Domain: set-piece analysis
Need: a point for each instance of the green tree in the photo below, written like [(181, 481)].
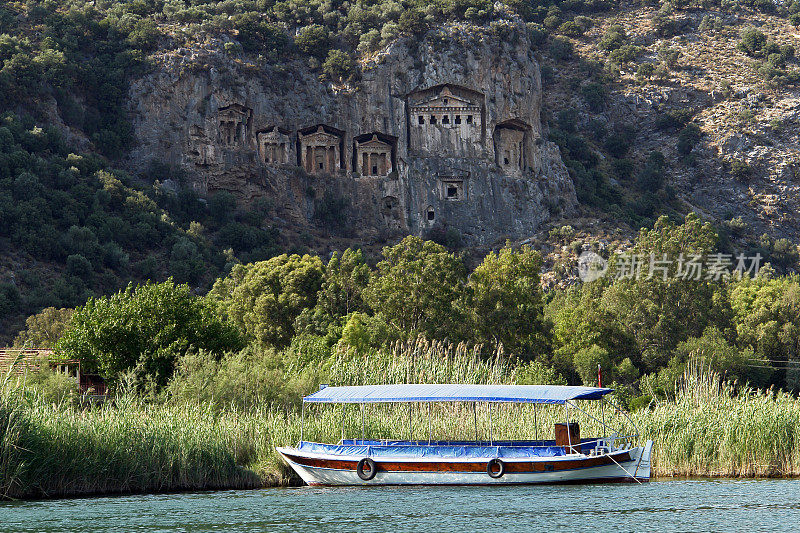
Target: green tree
[(580, 322), (712, 351), (766, 315), (659, 313), (346, 278), (43, 329), (264, 299), (313, 40), (419, 287), (339, 66), (587, 360), (144, 329), (506, 301)]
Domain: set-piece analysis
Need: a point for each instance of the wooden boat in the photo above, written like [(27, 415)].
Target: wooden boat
[(565, 459)]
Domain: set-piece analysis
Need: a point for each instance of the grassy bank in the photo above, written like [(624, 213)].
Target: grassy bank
[(49, 450)]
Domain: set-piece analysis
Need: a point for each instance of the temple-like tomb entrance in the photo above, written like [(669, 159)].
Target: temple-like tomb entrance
[(321, 149), (274, 145), (446, 119), (374, 154), (510, 138), (234, 124)]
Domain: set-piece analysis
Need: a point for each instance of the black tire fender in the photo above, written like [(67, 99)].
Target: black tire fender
[(368, 474), (490, 466)]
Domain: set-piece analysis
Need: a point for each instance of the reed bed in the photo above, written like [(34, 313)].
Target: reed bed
[(130, 445), (714, 428)]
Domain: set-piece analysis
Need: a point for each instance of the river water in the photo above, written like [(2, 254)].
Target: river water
[(663, 506)]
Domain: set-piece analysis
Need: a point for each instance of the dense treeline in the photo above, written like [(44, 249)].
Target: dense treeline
[(298, 317)]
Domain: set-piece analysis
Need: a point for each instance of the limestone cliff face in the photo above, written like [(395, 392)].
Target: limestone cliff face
[(439, 134)]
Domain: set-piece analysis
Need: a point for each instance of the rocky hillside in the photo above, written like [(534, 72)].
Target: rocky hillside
[(681, 82)]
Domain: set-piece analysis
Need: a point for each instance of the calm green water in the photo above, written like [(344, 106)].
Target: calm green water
[(769, 505)]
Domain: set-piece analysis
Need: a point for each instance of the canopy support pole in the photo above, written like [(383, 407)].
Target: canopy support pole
[(363, 424), (302, 420), (535, 424), (475, 415), (491, 437), (343, 423), (410, 427), (430, 424)]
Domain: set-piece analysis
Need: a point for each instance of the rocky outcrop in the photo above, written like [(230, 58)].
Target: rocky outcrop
[(443, 133)]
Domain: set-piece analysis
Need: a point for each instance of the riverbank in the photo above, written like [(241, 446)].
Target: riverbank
[(132, 446)]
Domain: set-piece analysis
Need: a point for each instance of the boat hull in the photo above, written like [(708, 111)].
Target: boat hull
[(326, 469)]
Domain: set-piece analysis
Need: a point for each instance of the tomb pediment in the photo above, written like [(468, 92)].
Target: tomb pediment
[(447, 102), (321, 138), (235, 110), (375, 143)]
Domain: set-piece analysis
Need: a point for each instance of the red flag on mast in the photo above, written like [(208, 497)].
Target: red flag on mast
[(599, 376)]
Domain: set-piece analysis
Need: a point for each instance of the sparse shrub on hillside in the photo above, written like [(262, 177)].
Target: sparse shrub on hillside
[(740, 170), (9, 299), (561, 49), (619, 142), (595, 95), (339, 66), (625, 54), (613, 38), (688, 139), (666, 27), (674, 118), (79, 266), (185, 262), (571, 29), (332, 211), (568, 120), (552, 23), (584, 22), (222, 206), (313, 40), (537, 34), (412, 22), (669, 56), (651, 177), (645, 71), (752, 41)]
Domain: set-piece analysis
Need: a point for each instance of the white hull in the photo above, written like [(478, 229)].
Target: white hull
[(322, 469)]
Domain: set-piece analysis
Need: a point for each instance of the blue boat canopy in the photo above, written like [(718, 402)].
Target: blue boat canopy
[(550, 394)]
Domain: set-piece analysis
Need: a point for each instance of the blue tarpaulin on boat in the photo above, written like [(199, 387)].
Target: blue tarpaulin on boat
[(421, 450), (550, 394)]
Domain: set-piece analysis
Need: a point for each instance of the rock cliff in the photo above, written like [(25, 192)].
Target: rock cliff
[(439, 134)]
